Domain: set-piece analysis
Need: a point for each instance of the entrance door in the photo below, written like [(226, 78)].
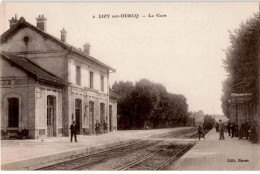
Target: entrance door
[(102, 113), (50, 115), (110, 118), (13, 112), (78, 111), (91, 116)]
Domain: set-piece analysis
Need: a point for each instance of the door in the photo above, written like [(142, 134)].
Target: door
[(102, 113), (91, 116), (50, 115), (13, 112), (110, 118), (78, 111)]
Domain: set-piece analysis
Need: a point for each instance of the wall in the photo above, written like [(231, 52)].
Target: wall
[(42, 91), (14, 83), (45, 51), (114, 114), (86, 66)]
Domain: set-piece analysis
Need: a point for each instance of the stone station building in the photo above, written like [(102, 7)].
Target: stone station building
[(47, 83)]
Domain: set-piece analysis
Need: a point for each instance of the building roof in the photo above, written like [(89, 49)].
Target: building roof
[(36, 71), (22, 24)]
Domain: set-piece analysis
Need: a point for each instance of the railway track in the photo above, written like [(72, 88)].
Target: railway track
[(157, 160), (180, 133), (85, 161)]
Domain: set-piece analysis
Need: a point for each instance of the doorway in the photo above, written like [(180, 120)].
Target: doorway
[(102, 113), (51, 110), (110, 118), (13, 112), (91, 116), (78, 112)]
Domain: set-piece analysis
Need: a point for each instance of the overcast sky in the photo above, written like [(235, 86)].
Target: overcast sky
[(183, 51)]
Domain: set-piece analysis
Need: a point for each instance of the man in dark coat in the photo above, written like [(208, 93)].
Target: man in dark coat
[(73, 131), (201, 132), (233, 130), (97, 127), (246, 129), (217, 127), (105, 127), (229, 128)]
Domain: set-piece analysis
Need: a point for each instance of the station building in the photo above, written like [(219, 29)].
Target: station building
[(47, 83)]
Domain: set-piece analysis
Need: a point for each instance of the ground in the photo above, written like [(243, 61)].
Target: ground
[(207, 154), (215, 154)]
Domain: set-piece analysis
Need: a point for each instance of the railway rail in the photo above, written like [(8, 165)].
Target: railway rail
[(159, 157), (156, 160), (87, 160), (178, 133)]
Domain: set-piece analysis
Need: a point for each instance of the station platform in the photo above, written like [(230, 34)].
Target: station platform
[(28, 154), (214, 154)]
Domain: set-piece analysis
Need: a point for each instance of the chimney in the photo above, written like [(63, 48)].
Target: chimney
[(13, 21), (41, 22), (86, 48), (63, 36)]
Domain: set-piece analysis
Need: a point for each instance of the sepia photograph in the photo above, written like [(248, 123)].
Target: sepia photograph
[(129, 86)]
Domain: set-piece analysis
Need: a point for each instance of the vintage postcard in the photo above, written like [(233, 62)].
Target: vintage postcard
[(119, 86)]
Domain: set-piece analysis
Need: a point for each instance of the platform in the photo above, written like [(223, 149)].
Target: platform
[(26, 154), (214, 154)]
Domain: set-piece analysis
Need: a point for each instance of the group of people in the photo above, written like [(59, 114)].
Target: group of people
[(98, 129), (220, 127), (247, 130), (99, 126)]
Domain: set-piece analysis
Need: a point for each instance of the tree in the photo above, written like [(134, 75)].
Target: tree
[(241, 61), (124, 90), (148, 103)]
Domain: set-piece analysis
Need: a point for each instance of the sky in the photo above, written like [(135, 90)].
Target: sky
[(184, 50)]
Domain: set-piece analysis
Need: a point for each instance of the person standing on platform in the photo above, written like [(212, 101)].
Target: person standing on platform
[(73, 131), (105, 127), (229, 128), (217, 127), (236, 130), (221, 130), (200, 132), (233, 130), (97, 127), (253, 134), (247, 128)]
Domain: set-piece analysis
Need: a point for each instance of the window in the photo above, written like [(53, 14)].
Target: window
[(102, 83), (91, 80), (78, 75)]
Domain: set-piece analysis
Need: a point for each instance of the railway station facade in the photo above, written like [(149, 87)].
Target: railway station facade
[(47, 83)]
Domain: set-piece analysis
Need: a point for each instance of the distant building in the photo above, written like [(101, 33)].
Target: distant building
[(47, 83)]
